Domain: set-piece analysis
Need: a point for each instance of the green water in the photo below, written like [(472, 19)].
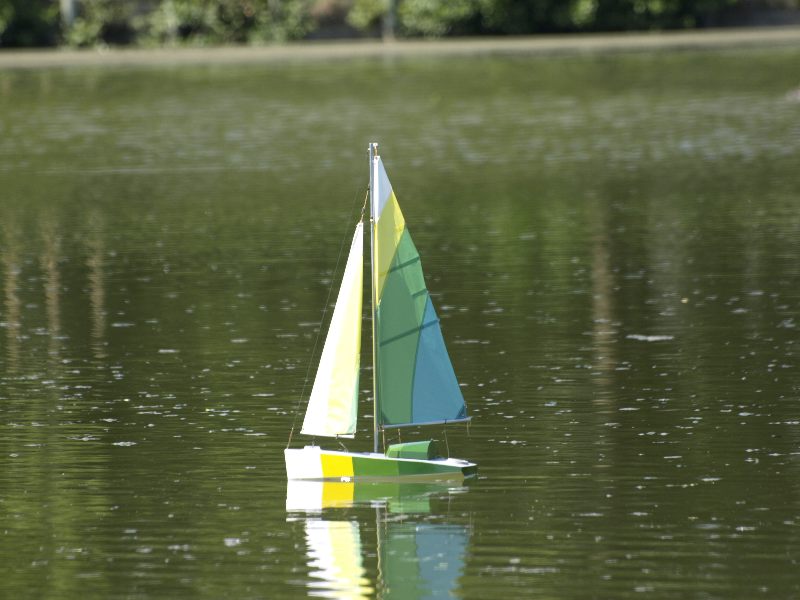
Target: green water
[(613, 246)]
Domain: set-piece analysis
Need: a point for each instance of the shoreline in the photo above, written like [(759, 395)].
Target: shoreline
[(346, 50)]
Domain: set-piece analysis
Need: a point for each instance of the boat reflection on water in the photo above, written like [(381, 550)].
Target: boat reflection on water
[(348, 525), (334, 556)]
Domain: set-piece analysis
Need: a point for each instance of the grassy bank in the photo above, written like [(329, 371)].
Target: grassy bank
[(719, 38)]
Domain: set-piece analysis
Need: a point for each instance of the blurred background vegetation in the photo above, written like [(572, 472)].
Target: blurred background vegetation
[(205, 22)]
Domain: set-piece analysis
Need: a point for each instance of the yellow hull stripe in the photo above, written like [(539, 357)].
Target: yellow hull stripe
[(336, 466)]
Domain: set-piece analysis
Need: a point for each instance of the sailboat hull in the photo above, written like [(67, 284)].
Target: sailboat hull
[(314, 463)]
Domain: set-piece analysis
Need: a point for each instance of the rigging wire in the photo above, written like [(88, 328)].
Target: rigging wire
[(324, 314)]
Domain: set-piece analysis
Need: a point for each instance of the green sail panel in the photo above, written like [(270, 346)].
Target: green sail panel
[(416, 382)]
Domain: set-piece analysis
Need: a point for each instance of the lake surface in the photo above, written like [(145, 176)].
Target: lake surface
[(613, 245)]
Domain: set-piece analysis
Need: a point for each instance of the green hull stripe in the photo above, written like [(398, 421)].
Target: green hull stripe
[(380, 468)]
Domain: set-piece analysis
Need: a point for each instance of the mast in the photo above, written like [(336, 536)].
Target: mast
[(373, 153)]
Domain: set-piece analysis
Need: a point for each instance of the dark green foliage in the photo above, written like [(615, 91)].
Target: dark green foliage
[(29, 23), (199, 22), (103, 21), (657, 14), (517, 17), (38, 22), (226, 21)]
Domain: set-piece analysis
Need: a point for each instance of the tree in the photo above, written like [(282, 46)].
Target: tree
[(29, 23)]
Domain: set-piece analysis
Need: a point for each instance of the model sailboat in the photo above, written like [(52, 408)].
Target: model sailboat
[(413, 378)]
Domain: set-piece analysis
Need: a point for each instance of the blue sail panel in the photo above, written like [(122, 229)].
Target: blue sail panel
[(436, 395)]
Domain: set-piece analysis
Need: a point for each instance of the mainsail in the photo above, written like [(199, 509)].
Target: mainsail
[(416, 382), (332, 407)]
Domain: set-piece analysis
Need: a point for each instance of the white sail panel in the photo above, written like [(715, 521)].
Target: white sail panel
[(332, 407), (383, 188)]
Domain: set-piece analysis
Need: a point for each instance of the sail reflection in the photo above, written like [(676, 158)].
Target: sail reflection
[(13, 305), (334, 555), (420, 560), (95, 262), (49, 260), (416, 557)]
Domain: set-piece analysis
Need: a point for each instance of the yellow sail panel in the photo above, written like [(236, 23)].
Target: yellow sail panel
[(388, 230), (332, 407), (389, 227)]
